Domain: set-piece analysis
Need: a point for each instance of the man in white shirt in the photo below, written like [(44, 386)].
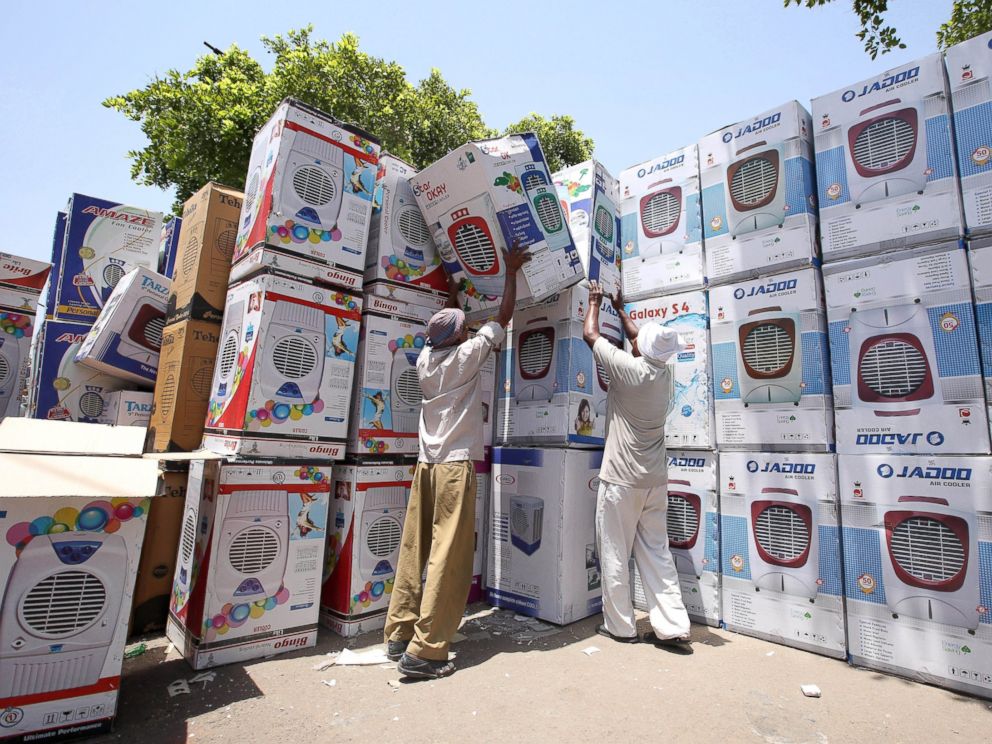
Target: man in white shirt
[(632, 503), (439, 531)]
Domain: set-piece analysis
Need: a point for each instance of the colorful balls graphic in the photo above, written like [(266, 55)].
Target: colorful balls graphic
[(307, 409), (112, 525), (318, 477), (300, 233), (318, 405), (270, 603), (92, 518), (240, 613), (314, 237), (208, 623), (282, 595), (256, 611), (222, 630), (266, 423), (352, 305), (391, 345), (325, 235), (66, 515), (377, 589), (19, 533), (59, 527), (335, 234), (418, 342), (281, 412), (41, 525), (296, 414), (363, 597), (124, 512)]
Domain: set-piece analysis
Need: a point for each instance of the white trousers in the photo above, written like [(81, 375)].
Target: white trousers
[(636, 518)]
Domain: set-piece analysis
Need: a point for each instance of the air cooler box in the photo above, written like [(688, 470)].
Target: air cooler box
[(980, 260), (16, 331), (906, 367), (759, 195), (885, 166), (780, 549)]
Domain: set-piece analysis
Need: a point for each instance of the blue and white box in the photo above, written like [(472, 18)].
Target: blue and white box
[(980, 259), (169, 246), (780, 549), (771, 366), (969, 69), (550, 390), (591, 200), (103, 241), (885, 162), (661, 225), (126, 339), (689, 423), (542, 559), (918, 567), (904, 350), (759, 195)]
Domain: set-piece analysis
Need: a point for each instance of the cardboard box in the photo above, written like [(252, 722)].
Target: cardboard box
[(169, 246), (690, 417), (204, 254), (16, 332), (969, 66), (103, 241), (397, 293), (907, 376), (661, 225), (63, 390), (771, 365), (541, 557), (980, 260), (693, 535), (477, 200), (282, 383), (401, 250), (916, 568), (483, 487), (591, 198), (23, 273), (74, 526), (759, 195), (49, 293), (182, 390), (126, 338), (153, 586), (780, 549), (385, 409), (247, 581), (130, 407), (551, 390), (309, 189), (885, 162), (368, 508)]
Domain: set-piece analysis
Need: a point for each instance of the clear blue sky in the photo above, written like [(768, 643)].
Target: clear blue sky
[(641, 78)]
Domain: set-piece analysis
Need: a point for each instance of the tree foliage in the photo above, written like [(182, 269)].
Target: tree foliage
[(968, 18), (200, 123), (562, 143)]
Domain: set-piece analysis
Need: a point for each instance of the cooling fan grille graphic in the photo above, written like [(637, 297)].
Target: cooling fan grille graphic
[(753, 182), (884, 145), (928, 550), (893, 368), (683, 519), (475, 247), (768, 348), (412, 226), (64, 603), (660, 212), (294, 357), (782, 533), (383, 536), (313, 186), (536, 350), (254, 549)]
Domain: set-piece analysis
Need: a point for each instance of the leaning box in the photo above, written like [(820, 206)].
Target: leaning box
[(885, 162), (247, 581), (73, 528), (771, 367), (780, 549), (980, 259), (759, 195), (479, 199), (282, 383), (906, 371), (17, 328), (364, 531), (918, 567), (309, 190)]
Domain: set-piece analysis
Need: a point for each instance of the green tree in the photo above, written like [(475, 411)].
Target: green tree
[(968, 18), (562, 143), (200, 123)]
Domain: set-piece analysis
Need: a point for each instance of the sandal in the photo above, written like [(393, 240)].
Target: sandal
[(601, 629), (396, 649), (414, 666), (680, 645)]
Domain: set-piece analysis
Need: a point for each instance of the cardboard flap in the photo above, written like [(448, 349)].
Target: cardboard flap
[(26, 475), (39, 436)]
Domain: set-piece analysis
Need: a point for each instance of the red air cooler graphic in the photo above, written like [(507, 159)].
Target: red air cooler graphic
[(887, 153), (685, 514), (783, 543), (535, 370), (477, 250), (757, 199), (660, 214)]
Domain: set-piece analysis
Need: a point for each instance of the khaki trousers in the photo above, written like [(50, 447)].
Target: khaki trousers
[(439, 533)]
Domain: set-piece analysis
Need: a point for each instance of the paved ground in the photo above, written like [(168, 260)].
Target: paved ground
[(525, 684)]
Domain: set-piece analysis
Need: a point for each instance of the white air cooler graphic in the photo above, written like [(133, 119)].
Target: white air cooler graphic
[(106, 272), (542, 196), (930, 566), (769, 362), (526, 521), (254, 545), (686, 529), (473, 231), (312, 187), (893, 360), (87, 401), (252, 200), (756, 188), (141, 337), (293, 363), (60, 612), (783, 544), (659, 223), (230, 347), (886, 152), (405, 393), (10, 365), (187, 551), (412, 241), (604, 228), (381, 532), (534, 372)]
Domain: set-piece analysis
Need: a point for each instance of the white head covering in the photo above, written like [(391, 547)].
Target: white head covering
[(657, 343)]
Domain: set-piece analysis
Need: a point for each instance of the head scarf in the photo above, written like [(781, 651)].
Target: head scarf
[(445, 327), (657, 343)]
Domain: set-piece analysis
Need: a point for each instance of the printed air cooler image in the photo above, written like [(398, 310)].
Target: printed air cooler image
[(312, 188), (474, 235), (769, 358), (893, 360), (293, 366), (64, 594), (886, 152), (526, 522), (141, 337), (10, 376), (230, 347), (604, 225), (686, 537), (783, 543), (542, 197), (534, 372), (405, 393), (412, 241), (755, 184), (221, 254), (659, 220), (381, 532), (254, 540)]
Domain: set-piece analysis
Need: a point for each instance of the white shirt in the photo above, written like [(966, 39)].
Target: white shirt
[(451, 413)]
